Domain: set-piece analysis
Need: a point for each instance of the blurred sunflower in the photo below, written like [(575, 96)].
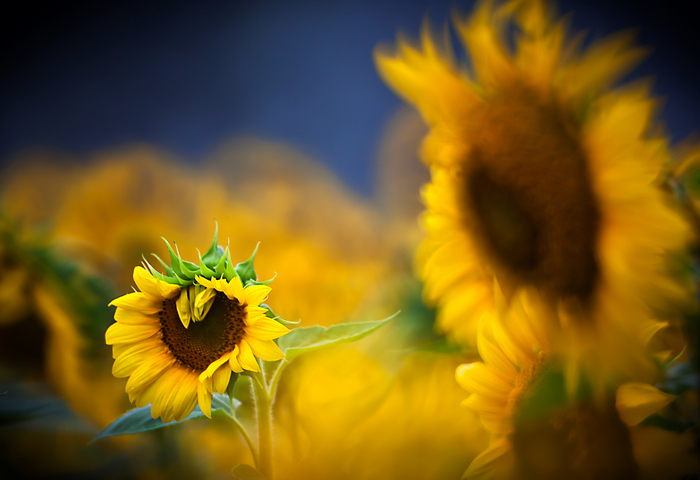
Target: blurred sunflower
[(516, 395), (545, 186), (44, 335), (179, 341)]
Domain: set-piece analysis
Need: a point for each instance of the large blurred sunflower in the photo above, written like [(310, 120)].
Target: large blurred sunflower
[(514, 392), (180, 344), (544, 185)]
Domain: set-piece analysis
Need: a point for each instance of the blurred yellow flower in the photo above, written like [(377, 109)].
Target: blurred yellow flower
[(584, 439), (545, 187), (175, 357), (40, 330)]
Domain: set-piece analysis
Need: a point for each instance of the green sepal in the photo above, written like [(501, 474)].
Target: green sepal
[(211, 257), (191, 270), (245, 270), (229, 271), (169, 278), (168, 271), (206, 271), (272, 315), (261, 282), (174, 261), (220, 267)]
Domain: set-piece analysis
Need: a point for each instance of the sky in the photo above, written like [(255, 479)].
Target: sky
[(188, 76)]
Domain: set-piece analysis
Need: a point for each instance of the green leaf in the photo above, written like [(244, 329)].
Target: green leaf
[(140, 420), (245, 270), (307, 339), (246, 472)]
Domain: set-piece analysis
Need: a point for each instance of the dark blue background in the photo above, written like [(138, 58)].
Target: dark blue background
[(188, 76)]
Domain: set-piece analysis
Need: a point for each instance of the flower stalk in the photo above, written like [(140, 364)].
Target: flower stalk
[(263, 406)]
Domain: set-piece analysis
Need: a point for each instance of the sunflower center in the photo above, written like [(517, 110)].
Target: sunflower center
[(206, 341), (585, 442), (528, 186)]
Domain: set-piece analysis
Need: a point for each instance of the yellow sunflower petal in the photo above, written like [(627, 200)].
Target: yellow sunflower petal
[(127, 362), (204, 398), (139, 302), (233, 361), (480, 379), (234, 289), (265, 349), (266, 329), (256, 294), (186, 397), (122, 333), (246, 357), (148, 371), (132, 317), (221, 378), (636, 401), (153, 287), (209, 372)]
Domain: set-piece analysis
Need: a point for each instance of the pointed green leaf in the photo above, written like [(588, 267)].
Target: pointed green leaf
[(245, 270), (139, 419), (246, 472), (307, 339), (189, 269), (211, 256)]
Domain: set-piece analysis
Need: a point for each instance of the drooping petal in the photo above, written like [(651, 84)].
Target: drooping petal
[(204, 398), (209, 372), (221, 378), (265, 349), (636, 401), (152, 287), (246, 357)]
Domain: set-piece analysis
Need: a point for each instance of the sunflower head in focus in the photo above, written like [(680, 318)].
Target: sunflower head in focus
[(180, 338), (544, 187)]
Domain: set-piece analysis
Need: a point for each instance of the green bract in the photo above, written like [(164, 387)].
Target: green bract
[(215, 263)]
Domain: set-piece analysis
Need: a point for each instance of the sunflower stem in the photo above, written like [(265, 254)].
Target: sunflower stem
[(276, 378), (263, 404)]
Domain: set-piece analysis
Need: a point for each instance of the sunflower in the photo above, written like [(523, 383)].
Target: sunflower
[(587, 438), (182, 335), (545, 185)]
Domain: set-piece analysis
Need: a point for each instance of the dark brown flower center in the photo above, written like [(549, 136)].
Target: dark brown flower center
[(527, 182), (585, 442), (205, 341)]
